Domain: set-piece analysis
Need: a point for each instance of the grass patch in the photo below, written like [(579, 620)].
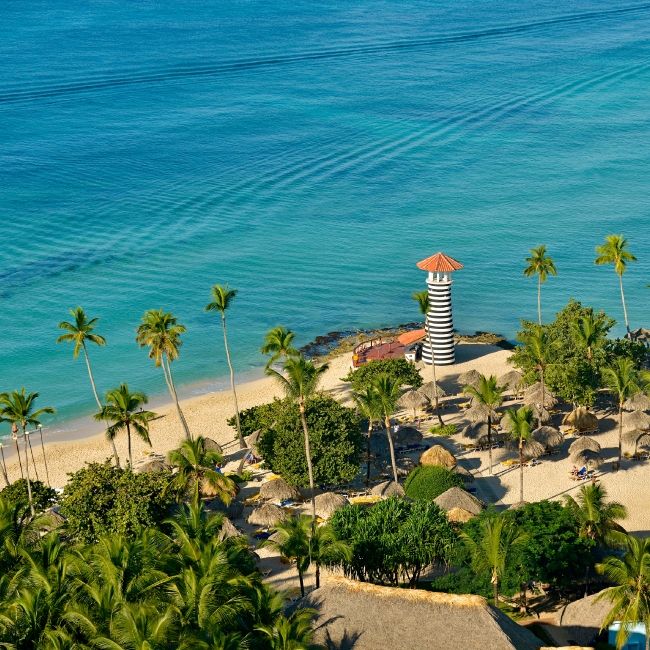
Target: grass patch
[(446, 431)]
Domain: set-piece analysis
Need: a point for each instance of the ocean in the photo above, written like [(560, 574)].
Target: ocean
[(309, 154)]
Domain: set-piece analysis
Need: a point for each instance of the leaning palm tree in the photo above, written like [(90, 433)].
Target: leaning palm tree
[(588, 332), (631, 597), (277, 343), (519, 433), (162, 334), (389, 391), (18, 408), (597, 518), (623, 380), (196, 467), (539, 349), (369, 406), (614, 251), (489, 395), (300, 381), (498, 538), (122, 410), (422, 298), (222, 298), (80, 332), (542, 266)]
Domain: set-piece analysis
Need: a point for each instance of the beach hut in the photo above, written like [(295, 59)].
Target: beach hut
[(228, 530), (511, 380), (364, 616), (637, 420), (589, 458), (541, 414), (582, 443), (388, 489), (429, 390), (548, 436), (640, 402), (480, 412), (641, 335), (581, 419), (405, 436), (466, 475), (438, 455), (533, 395), (470, 378), (212, 445), (413, 399), (456, 497), (328, 503), (278, 490), (459, 516), (267, 516), (529, 448), (582, 619), (478, 432), (155, 465)]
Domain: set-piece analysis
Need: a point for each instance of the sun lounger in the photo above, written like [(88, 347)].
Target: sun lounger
[(266, 572)]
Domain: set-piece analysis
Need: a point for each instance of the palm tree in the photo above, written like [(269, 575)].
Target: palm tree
[(597, 519), (422, 298), (520, 434), (222, 298), (292, 633), (195, 466), (80, 332), (161, 332), (491, 553), (539, 349), (614, 251), (490, 395), (18, 408), (278, 344), (631, 598), (588, 332), (369, 406), (541, 265), (300, 383), (122, 410), (622, 379), (326, 549), (389, 391)]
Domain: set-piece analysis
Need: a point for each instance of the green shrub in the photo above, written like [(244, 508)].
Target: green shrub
[(245, 476), (257, 417), (427, 482), (42, 495), (446, 431), (101, 499), (398, 369)]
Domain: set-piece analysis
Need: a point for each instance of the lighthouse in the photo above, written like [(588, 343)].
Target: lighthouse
[(439, 319)]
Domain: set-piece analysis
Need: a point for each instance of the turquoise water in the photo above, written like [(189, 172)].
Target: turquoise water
[(309, 154)]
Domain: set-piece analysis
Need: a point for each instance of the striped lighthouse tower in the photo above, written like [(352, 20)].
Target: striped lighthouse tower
[(440, 321)]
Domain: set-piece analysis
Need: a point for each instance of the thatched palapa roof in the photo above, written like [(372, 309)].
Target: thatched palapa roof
[(582, 619), (328, 503), (582, 443), (470, 378), (459, 516), (477, 431), (541, 414), (413, 399), (212, 445), (636, 437), (364, 616), (511, 379), (388, 489), (480, 412), (589, 458), (640, 402), (581, 419), (278, 490), (641, 335), (405, 436), (466, 475), (228, 530), (429, 390), (233, 510), (155, 465), (530, 448), (533, 395), (267, 516), (455, 497), (548, 436), (637, 420), (438, 455)]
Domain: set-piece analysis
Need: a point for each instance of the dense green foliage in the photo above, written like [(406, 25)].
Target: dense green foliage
[(426, 482), (42, 496), (336, 442), (101, 499), (396, 369), (393, 541), (444, 431), (258, 417)]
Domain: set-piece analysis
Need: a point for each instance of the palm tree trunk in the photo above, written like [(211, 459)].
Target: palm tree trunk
[(539, 298), (521, 469), (172, 389), (302, 583), (31, 451), (433, 372), (4, 466), (242, 444), (310, 469), (587, 582), (620, 434), (368, 470), (20, 462), (47, 474), (29, 484), (317, 576), (128, 438), (495, 582), (99, 403), (392, 449), (541, 376), (627, 325), (489, 423)]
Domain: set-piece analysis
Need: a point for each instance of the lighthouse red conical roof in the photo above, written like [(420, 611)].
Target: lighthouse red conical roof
[(440, 263)]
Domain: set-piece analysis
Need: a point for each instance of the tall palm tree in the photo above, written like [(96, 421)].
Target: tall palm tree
[(80, 332), (162, 334), (490, 395), (539, 348), (122, 410), (278, 343), (389, 391), (422, 298), (520, 425), (369, 406), (222, 298), (292, 633), (542, 266), (18, 408), (597, 519), (588, 332), (300, 381), (614, 251), (631, 597), (491, 553), (326, 549), (195, 466), (623, 380)]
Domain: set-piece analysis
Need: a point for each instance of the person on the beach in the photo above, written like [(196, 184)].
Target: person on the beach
[(219, 468)]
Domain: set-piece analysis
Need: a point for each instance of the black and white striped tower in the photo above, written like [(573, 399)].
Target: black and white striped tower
[(440, 320)]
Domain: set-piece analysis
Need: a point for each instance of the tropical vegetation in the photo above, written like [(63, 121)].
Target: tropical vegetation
[(426, 482)]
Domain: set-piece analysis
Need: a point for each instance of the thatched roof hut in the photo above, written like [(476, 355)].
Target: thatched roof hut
[(636, 437), (470, 378), (476, 431), (511, 379), (267, 516), (582, 619), (540, 414), (530, 448), (581, 419), (368, 617), (466, 475), (582, 443), (384, 465), (155, 465), (548, 436), (388, 489), (480, 412), (328, 503), (234, 510), (279, 490), (455, 497), (413, 399), (640, 402), (405, 436), (589, 458), (429, 390), (56, 519), (438, 455), (459, 516), (637, 420), (534, 396), (212, 445), (228, 530)]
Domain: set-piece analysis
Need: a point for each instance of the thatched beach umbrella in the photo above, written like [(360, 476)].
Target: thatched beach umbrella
[(582, 443), (459, 516), (413, 399), (470, 378), (438, 455), (155, 465), (511, 379), (548, 436), (234, 510), (480, 412), (228, 530), (541, 414), (279, 490), (636, 437), (641, 335), (640, 402), (529, 448), (581, 419), (466, 475), (588, 458), (429, 390), (267, 516), (405, 436), (253, 439), (476, 431), (328, 503), (56, 519), (533, 395), (212, 445), (456, 497), (637, 420), (388, 489)]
